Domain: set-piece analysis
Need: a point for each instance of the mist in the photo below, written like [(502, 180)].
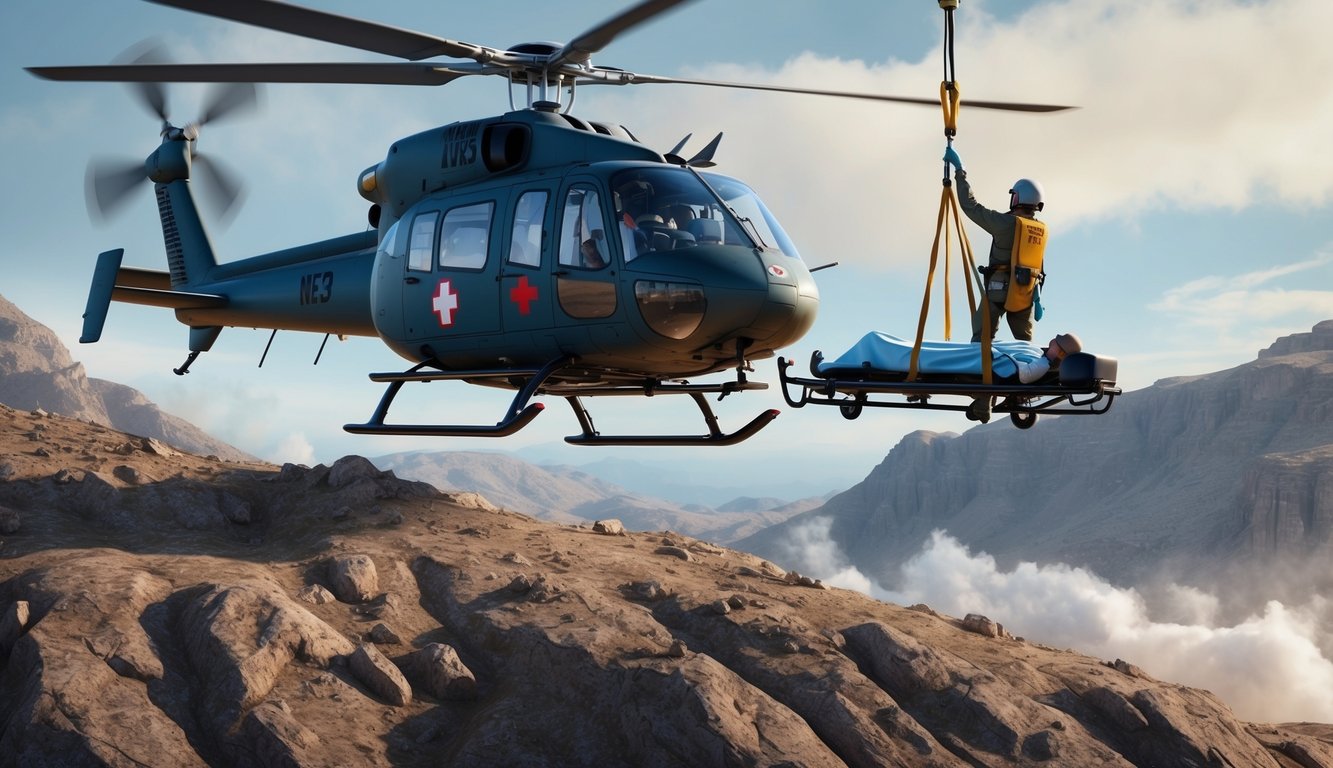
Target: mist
[(1268, 666)]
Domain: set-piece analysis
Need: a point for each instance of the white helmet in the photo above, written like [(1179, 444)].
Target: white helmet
[(1026, 192)]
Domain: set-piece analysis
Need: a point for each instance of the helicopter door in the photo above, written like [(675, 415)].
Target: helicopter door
[(585, 272), (446, 294), (525, 285)]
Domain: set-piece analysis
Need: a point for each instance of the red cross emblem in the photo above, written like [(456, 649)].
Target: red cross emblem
[(445, 303), (523, 294)]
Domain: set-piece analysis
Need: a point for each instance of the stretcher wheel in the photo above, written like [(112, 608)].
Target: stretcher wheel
[(1023, 419), (850, 410)]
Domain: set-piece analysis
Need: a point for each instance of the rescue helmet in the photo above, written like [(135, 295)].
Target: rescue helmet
[(1026, 192)]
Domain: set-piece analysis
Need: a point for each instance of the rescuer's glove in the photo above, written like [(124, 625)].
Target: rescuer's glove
[(951, 157)]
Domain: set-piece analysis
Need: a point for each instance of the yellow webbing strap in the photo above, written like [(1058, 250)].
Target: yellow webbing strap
[(946, 194), (949, 103), (970, 266), (950, 96), (948, 207)]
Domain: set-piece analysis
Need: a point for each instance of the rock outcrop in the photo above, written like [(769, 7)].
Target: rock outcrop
[(129, 637)]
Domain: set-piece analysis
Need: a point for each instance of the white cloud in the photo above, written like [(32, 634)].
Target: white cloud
[(1268, 667), (809, 547), (295, 449), (1186, 104), (1247, 311)]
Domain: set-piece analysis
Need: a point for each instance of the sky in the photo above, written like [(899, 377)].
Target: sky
[(1188, 197)]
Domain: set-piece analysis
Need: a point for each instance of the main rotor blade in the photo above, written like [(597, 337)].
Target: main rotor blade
[(581, 48), (1000, 105), (331, 28), (374, 73)]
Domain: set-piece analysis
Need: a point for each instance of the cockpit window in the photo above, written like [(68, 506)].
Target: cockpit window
[(752, 212), (667, 208), (662, 209)]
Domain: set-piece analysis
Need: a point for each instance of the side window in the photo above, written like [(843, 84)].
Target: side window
[(465, 236), (390, 239), (582, 234), (420, 250), (525, 241)]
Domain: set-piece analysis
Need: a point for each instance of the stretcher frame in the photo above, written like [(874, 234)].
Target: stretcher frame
[(1085, 386)]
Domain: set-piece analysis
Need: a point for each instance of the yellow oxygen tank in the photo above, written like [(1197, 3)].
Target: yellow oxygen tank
[(1025, 263)]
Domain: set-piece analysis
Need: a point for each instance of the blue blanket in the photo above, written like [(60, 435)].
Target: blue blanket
[(885, 352)]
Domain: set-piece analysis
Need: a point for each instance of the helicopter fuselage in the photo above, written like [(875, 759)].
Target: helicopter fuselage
[(515, 274), (632, 264)]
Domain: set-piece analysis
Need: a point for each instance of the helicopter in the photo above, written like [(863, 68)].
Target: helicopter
[(532, 251)]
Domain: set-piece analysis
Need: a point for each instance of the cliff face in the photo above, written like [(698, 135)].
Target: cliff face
[(1286, 505), (161, 609), (36, 371), (1192, 469)]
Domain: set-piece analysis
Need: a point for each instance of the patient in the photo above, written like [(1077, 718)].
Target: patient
[(1011, 360)]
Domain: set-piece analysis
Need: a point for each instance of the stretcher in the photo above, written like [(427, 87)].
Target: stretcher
[(874, 374)]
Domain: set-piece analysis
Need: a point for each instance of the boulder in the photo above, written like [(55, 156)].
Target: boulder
[(380, 675), (437, 670), (354, 578)]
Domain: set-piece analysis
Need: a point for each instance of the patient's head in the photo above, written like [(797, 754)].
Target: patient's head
[(1065, 344)]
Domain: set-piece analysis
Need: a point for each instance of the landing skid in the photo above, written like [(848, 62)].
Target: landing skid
[(562, 378)]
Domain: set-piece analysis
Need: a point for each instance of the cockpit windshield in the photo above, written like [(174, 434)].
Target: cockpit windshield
[(747, 207), (668, 208)]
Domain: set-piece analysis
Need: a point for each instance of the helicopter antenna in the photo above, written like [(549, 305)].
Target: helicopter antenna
[(673, 156), (704, 158)]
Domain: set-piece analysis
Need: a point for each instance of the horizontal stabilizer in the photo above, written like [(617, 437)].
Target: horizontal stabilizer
[(170, 299), (112, 282)]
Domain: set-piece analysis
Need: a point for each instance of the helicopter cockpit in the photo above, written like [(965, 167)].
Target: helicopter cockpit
[(663, 209)]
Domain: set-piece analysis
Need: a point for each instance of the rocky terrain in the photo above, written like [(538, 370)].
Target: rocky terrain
[(36, 371), (1233, 467), (162, 609)]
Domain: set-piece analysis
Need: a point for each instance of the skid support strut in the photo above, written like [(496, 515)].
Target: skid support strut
[(519, 415)]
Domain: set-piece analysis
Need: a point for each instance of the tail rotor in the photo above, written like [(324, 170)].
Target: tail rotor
[(109, 182)]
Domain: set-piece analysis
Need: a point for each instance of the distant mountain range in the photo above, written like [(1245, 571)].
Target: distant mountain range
[(1193, 476), (702, 482), (36, 371), (573, 495)]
